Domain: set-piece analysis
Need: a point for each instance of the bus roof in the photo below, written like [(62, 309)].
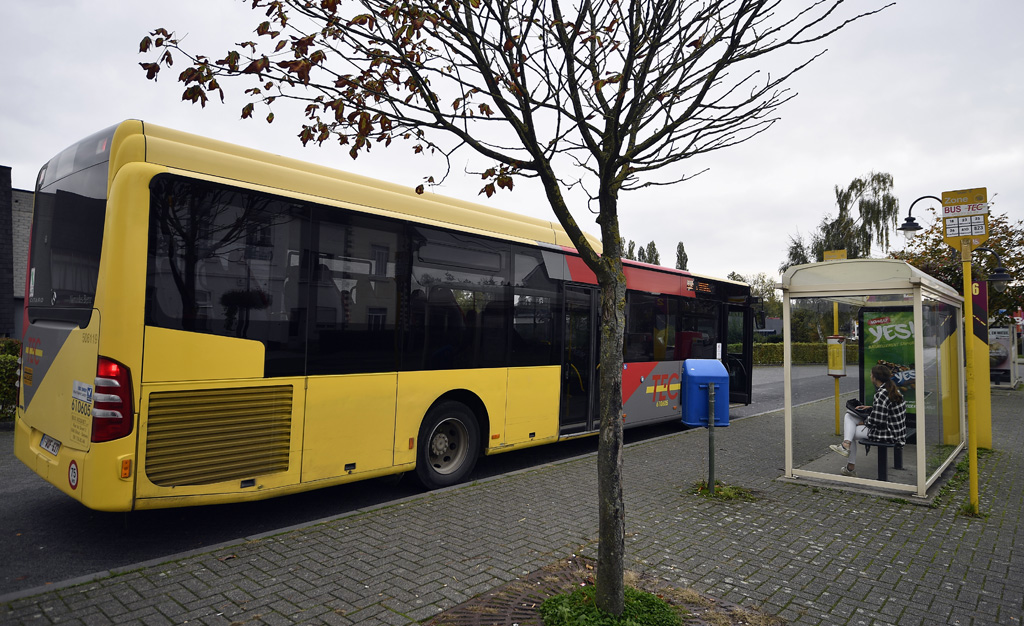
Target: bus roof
[(209, 157)]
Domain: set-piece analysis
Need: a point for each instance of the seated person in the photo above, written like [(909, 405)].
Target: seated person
[(886, 422)]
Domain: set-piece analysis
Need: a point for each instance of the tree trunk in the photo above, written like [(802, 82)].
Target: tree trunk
[(611, 511), (607, 267)]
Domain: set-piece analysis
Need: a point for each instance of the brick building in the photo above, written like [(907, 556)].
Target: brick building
[(15, 226)]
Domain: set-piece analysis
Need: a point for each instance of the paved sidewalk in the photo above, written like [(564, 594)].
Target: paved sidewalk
[(810, 555)]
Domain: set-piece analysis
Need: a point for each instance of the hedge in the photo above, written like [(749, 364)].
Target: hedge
[(803, 353), (10, 349)]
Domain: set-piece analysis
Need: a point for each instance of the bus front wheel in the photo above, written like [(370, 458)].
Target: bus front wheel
[(449, 445)]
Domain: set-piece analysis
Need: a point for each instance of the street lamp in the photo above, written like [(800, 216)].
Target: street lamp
[(910, 226), (999, 277)]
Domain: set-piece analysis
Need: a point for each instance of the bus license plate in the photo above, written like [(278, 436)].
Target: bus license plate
[(50, 444)]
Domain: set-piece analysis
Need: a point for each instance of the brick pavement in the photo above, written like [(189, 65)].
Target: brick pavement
[(810, 555)]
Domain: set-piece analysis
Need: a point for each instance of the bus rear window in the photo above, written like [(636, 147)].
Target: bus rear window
[(67, 234)]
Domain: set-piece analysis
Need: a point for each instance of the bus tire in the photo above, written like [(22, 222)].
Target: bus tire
[(449, 444)]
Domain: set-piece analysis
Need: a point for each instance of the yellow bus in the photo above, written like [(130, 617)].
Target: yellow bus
[(206, 323)]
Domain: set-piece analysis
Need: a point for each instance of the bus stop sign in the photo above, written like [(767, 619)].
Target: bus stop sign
[(965, 217)]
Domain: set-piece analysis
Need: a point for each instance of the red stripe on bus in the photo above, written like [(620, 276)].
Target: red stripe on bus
[(579, 272), (633, 376)]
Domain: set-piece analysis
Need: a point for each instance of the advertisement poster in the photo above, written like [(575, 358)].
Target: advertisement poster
[(1000, 354), (887, 338)]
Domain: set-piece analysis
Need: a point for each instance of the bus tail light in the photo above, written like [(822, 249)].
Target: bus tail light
[(112, 409)]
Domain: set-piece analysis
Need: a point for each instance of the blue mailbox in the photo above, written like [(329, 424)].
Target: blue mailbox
[(698, 374)]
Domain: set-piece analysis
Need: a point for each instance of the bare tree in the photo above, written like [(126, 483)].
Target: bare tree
[(606, 96)]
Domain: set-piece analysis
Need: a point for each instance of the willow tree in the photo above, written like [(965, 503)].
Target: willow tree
[(604, 96), (867, 212)]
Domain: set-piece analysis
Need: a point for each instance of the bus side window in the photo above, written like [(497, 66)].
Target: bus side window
[(444, 328)]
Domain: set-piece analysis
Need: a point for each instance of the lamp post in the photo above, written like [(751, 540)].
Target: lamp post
[(999, 277), (910, 227)]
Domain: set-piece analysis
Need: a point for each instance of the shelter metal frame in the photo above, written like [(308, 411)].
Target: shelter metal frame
[(853, 282)]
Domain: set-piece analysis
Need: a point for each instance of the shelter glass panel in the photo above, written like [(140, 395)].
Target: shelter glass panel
[(942, 384)]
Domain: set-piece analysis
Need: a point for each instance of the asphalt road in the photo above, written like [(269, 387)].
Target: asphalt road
[(810, 383), (46, 537)]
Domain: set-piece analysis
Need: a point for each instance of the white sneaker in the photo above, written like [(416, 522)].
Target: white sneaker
[(839, 449), (845, 471)]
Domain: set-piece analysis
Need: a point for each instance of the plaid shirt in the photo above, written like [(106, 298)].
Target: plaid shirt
[(888, 419)]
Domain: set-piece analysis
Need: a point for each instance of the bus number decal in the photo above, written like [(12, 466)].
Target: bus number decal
[(81, 410)]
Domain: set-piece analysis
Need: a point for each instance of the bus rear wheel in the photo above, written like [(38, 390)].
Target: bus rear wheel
[(449, 445)]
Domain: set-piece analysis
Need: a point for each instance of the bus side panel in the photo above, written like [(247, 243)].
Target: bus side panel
[(417, 391), (120, 291), (351, 425), (174, 355), (532, 414), (219, 441), (651, 392)]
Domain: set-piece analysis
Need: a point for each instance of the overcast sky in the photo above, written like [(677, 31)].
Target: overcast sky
[(930, 91)]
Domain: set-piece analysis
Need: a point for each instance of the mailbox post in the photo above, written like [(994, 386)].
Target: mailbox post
[(703, 379)]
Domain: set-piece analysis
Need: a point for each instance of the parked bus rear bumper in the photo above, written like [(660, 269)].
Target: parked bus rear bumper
[(103, 486)]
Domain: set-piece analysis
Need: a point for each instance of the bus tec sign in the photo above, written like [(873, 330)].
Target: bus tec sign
[(965, 217)]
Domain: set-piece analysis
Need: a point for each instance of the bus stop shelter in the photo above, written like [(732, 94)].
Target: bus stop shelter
[(888, 312)]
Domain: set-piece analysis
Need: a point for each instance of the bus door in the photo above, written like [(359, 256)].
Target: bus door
[(579, 362), (740, 364)]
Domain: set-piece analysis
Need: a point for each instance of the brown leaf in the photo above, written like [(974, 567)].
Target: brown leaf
[(152, 69)]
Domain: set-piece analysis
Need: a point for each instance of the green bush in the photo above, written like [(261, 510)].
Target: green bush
[(10, 346), (10, 350), (8, 390)]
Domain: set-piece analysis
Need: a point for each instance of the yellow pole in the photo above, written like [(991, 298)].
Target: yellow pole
[(972, 439), (838, 431), (835, 331)]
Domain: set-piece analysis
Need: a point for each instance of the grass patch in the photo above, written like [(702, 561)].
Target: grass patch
[(961, 474), (724, 492), (968, 509), (578, 608)]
